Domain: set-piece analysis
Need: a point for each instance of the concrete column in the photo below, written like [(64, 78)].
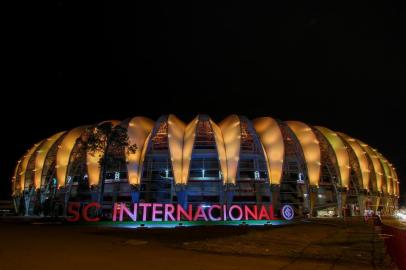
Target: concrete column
[(94, 195), (362, 201), (385, 203), (135, 193), (222, 194), (181, 194), (376, 201), (65, 193), (42, 197), (312, 200), (258, 194), (382, 204), (276, 198), (16, 202), (26, 203), (339, 205), (390, 205), (97, 196), (229, 191), (37, 202), (341, 201), (396, 202)]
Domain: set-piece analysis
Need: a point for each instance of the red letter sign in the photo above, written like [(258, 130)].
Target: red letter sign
[(86, 209), (73, 208)]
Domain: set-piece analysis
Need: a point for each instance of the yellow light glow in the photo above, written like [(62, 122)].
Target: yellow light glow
[(231, 130), (311, 150), (176, 130), (64, 152), (272, 141), (395, 181), (340, 152), (218, 136), (388, 185), (139, 132), (41, 156), (93, 158), (188, 142), (24, 165), (15, 176), (376, 164), (361, 159)]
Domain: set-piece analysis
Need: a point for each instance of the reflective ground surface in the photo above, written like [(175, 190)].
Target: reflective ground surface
[(316, 244)]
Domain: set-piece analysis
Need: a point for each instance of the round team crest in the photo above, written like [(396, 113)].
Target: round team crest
[(287, 212)]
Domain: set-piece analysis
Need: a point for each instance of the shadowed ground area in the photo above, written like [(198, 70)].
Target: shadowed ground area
[(318, 244)]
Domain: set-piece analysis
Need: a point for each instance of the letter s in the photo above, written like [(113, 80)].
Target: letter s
[(73, 208)]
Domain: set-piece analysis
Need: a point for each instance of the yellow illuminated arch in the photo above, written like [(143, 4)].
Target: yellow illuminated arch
[(138, 130), (272, 140), (395, 180), (340, 152), (181, 139), (361, 158), (176, 130), (218, 137), (310, 147), (227, 135), (93, 158), (64, 152), (388, 173), (231, 131), (376, 164), (188, 142), (15, 176), (41, 156), (24, 164)]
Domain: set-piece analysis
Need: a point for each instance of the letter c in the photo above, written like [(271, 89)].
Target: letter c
[(210, 212), (86, 209)]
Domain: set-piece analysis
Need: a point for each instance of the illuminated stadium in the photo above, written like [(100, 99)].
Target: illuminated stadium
[(317, 171)]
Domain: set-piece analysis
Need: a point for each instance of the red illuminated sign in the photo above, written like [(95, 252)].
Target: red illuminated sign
[(158, 212), (175, 212), (74, 207)]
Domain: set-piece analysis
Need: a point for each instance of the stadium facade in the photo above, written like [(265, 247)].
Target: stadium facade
[(317, 171)]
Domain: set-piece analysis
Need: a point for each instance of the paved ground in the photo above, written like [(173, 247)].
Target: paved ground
[(322, 244), (395, 222)]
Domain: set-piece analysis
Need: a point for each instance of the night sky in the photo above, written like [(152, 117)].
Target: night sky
[(336, 64)]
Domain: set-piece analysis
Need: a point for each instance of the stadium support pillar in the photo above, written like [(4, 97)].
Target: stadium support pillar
[(390, 205), (135, 193), (65, 197), (396, 202), (42, 197), (276, 198), (341, 201), (375, 202), (362, 202), (95, 195), (37, 205), (16, 201), (229, 194), (384, 201), (26, 202), (312, 199), (181, 194)]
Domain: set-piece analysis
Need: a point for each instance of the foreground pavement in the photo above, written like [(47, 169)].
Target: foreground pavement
[(316, 244)]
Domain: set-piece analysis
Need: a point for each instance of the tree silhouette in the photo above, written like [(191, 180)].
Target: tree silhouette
[(108, 142)]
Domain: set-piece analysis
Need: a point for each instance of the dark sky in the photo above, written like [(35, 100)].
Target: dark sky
[(337, 64)]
